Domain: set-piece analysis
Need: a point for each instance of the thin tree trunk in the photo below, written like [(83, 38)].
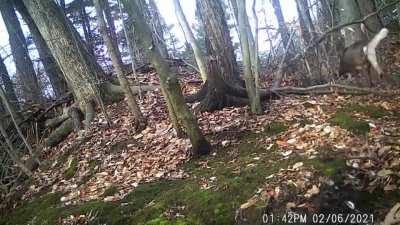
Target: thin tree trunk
[(198, 54), (49, 63), (87, 32), (23, 63), (306, 23), (248, 75), (140, 121), (283, 29), (111, 27), (169, 81), (256, 59), (158, 27)]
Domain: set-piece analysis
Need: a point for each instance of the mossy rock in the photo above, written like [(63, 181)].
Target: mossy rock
[(345, 121)]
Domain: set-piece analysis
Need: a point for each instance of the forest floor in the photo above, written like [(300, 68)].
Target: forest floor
[(307, 154)]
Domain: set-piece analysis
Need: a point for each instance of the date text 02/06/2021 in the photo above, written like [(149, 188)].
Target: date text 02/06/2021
[(330, 218)]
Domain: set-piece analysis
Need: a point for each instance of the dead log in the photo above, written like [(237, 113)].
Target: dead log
[(60, 133)]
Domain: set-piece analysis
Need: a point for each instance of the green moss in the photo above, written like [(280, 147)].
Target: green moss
[(356, 126), (372, 111), (275, 128), (71, 170), (330, 168), (41, 211), (110, 191)]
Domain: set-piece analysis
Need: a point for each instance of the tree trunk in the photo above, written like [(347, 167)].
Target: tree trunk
[(87, 31), (8, 85), (52, 70), (224, 86), (169, 81), (221, 44), (373, 23), (140, 121), (111, 27), (83, 74), (283, 29), (198, 54), (158, 25), (348, 12), (306, 23), (23, 63), (248, 73)]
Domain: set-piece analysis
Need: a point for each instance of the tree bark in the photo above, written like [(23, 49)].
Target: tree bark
[(84, 76), (169, 81), (348, 12), (23, 63), (373, 23), (255, 104), (140, 121), (198, 54), (49, 63), (217, 30)]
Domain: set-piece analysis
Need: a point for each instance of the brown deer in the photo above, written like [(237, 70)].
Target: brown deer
[(360, 56)]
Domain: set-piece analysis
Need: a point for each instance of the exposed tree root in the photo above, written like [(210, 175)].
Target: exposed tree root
[(72, 116)]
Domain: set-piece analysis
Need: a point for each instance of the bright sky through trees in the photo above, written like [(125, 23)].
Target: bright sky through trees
[(167, 10)]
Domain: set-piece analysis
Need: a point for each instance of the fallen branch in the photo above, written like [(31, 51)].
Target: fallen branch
[(327, 89)]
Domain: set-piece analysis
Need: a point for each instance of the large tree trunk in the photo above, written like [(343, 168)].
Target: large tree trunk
[(224, 86), (169, 81), (348, 11), (8, 85), (217, 30), (373, 23), (23, 63), (52, 70), (140, 121), (198, 54), (255, 104), (83, 74)]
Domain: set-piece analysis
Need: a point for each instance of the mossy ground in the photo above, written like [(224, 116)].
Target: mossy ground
[(217, 186)]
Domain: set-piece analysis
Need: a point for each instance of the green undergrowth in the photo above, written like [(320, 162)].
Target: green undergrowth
[(350, 123), (72, 168), (218, 185), (371, 111)]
